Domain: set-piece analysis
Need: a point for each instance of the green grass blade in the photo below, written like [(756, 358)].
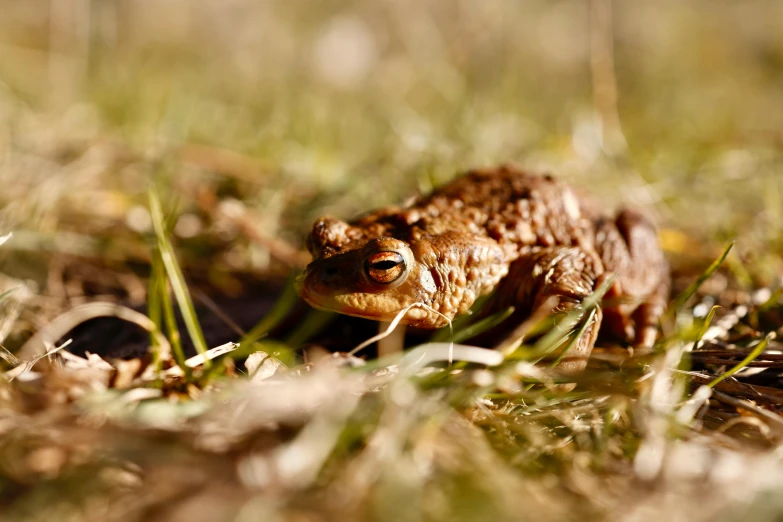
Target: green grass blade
[(460, 322), (154, 310), (166, 310), (176, 278), (312, 324), (707, 321), (574, 338), (154, 307), (740, 272), (681, 299), (5, 295), (480, 326), (279, 311), (747, 360), (772, 302), (561, 331)]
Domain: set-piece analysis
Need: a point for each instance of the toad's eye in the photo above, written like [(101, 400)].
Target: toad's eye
[(385, 267)]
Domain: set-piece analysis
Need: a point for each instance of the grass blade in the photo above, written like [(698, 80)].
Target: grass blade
[(460, 322), (162, 309), (176, 278), (154, 307), (574, 338), (561, 331), (7, 293), (478, 327), (747, 360), (707, 322), (282, 307), (681, 299), (312, 324)]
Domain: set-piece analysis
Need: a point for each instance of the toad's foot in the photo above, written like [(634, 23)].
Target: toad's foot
[(633, 306), (569, 275)]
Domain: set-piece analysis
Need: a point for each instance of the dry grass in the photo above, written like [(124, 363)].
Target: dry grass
[(247, 120)]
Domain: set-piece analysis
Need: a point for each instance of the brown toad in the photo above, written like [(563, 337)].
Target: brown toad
[(526, 235)]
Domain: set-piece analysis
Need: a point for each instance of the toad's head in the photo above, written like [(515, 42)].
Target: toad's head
[(380, 265), (355, 272)]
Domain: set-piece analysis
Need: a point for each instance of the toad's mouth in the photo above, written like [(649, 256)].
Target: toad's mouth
[(373, 306), (377, 308), (331, 304), (339, 288), (317, 293), (355, 304)]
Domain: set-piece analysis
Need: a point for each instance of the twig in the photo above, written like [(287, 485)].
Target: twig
[(749, 406)]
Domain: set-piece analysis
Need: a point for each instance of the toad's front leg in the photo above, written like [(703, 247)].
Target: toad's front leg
[(569, 274)]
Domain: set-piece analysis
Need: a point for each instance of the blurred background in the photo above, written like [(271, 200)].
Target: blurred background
[(253, 118), (250, 119)]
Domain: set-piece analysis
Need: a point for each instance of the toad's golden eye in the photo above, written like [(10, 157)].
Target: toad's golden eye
[(385, 267)]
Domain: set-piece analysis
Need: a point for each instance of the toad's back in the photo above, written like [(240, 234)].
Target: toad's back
[(514, 208)]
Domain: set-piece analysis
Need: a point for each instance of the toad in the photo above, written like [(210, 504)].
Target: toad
[(528, 237)]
